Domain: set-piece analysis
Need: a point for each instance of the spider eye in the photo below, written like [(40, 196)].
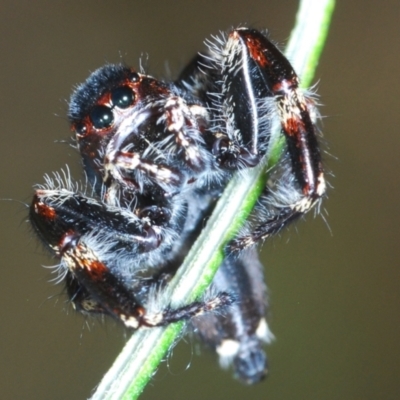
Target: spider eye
[(102, 117), (80, 129), (122, 97)]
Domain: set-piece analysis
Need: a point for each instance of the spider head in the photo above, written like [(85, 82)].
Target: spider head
[(115, 103)]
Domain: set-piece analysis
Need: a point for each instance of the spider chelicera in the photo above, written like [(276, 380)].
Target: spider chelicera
[(157, 156)]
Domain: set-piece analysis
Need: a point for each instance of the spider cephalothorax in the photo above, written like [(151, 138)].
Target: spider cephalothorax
[(157, 155)]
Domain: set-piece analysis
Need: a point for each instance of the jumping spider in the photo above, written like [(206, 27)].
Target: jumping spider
[(157, 156)]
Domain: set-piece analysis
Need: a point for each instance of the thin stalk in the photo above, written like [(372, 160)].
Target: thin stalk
[(140, 357)]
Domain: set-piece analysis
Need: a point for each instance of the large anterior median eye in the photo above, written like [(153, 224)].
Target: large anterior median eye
[(122, 97), (102, 117)]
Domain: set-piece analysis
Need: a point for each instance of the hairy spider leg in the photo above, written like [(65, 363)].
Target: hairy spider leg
[(103, 291), (278, 76), (255, 83)]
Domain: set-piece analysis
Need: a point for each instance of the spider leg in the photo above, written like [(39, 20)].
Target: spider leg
[(80, 298), (255, 72), (186, 121), (117, 300), (89, 260)]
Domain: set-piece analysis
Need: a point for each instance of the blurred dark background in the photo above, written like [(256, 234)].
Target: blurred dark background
[(334, 290)]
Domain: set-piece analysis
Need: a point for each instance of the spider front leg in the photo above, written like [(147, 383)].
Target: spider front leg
[(91, 239), (258, 83)]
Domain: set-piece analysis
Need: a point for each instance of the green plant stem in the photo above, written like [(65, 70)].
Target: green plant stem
[(140, 357)]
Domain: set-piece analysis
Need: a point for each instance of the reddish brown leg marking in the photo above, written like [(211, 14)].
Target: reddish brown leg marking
[(283, 84)]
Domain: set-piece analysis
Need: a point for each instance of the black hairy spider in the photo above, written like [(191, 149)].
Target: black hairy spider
[(157, 156)]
